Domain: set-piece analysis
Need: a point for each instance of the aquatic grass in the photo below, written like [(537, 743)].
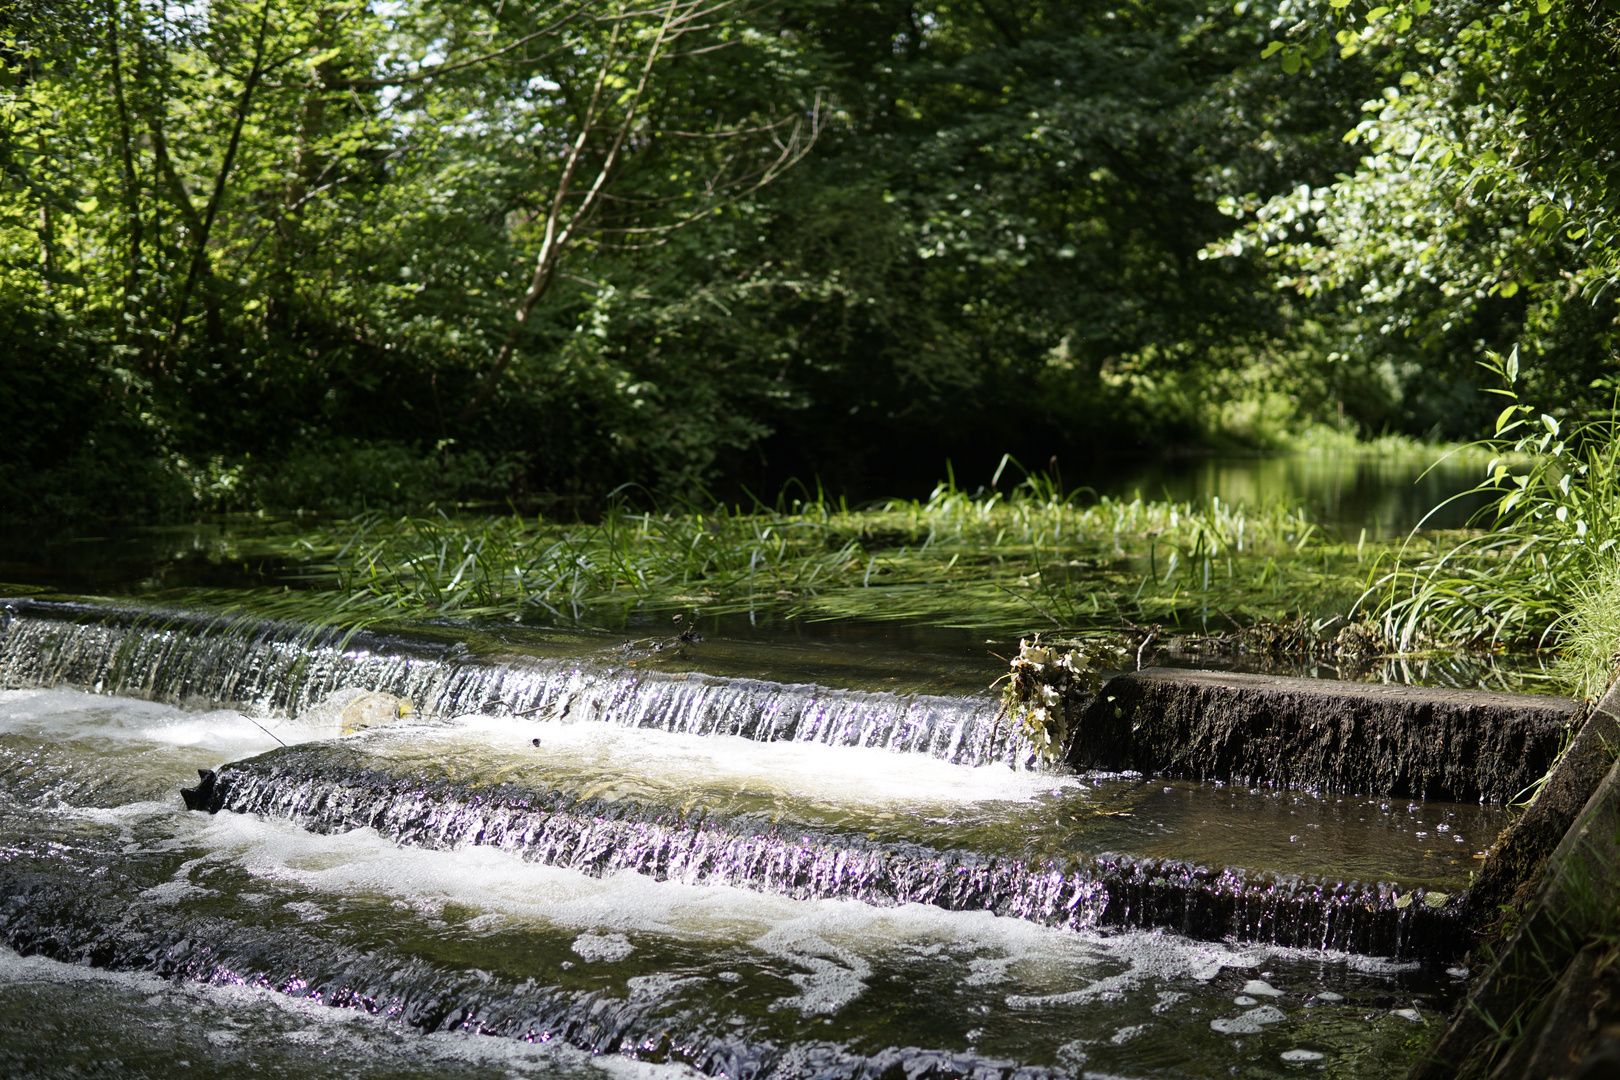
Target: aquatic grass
[(1551, 530), (1590, 646), (1029, 557)]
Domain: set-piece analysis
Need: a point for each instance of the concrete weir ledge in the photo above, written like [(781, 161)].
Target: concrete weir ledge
[(1370, 739), (1545, 904)]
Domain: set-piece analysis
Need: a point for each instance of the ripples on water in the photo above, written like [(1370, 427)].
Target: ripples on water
[(212, 939)]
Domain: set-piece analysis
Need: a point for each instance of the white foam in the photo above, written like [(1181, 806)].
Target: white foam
[(610, 947), (829, 948), (1249, 1023), (61, 715), (643, 760), (336, 1041)]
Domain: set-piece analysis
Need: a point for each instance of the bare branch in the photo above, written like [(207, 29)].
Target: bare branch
[(459, 65), (573, 211), (200, 240)]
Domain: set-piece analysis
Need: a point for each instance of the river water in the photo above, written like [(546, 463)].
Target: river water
[(571, 861), (792, 851)]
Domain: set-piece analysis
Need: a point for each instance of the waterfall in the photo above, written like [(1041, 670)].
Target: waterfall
[(742, 877), (599, 837), (281, 669)]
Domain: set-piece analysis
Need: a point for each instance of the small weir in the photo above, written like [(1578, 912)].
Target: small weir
[(281, 669), (587, 852), (337, 792)]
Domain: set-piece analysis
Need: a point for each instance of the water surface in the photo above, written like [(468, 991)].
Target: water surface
[(242, 943)]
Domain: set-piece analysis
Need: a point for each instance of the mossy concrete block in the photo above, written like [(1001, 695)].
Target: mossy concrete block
[(1546, 898), (1507, 879), (1546, 1008), (1322, 735)]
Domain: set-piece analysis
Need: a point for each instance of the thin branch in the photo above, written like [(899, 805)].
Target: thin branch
[(200, 245), (679, 18), (131, 189), (447, 68)]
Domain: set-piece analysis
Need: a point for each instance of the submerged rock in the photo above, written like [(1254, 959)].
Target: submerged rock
[(373, 709), (206, 795)]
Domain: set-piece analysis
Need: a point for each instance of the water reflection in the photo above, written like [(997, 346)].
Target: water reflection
[(1386, 495)]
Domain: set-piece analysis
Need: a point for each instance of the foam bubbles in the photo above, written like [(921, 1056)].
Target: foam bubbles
[(1249, 1023), (595, 947), (643, 761)]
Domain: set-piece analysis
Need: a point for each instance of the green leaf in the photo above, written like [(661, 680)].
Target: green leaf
[(1271, 50), (1509, 289), (1512, 369), (1503, 417), (1291, 61)]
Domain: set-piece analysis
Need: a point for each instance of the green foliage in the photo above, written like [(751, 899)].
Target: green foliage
[(1590, 643), (1553, 526), (70, 447), (1482, 211), (1049, 685), (291, 226)]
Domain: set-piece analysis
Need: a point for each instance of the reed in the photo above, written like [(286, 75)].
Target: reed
[(1539, 573), (1031, 557)]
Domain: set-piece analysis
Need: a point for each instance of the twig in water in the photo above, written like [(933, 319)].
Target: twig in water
[(266, 730)]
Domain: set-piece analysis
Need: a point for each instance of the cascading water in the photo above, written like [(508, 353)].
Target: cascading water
[(281, 669), (607, 865)]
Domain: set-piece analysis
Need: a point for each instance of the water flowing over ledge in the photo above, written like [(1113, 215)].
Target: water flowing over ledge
[(281, 669), (332, 790), (744, 877)]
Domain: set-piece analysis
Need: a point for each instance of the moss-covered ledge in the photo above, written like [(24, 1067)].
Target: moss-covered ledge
[(1322, 735)]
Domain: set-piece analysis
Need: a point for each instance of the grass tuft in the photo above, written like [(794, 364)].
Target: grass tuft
[(1552, 530)]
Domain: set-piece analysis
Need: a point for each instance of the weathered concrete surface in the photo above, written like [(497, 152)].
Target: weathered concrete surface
[(1511, 872), (1555, 988), (1318, 734)]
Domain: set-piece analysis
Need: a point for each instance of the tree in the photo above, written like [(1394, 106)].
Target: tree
[(1482, 212)]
